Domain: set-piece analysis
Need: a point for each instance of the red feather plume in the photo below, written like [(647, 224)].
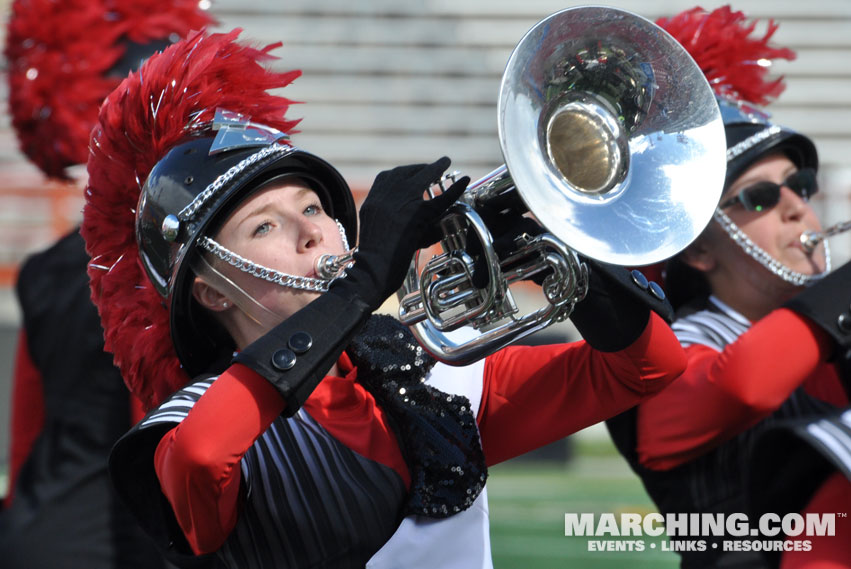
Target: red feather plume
[(139, 123), (58, 56), (734, 62)]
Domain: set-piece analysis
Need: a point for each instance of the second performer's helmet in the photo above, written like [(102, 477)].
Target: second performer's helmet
[(751, 135)]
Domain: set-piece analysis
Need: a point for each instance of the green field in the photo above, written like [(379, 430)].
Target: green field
[(528, 501)]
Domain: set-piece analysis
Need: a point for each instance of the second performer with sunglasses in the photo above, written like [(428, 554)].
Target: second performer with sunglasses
[(764, 195), (761, 320)]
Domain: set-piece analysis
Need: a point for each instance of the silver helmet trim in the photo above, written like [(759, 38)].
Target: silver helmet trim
[(737, 150), (222, 181)]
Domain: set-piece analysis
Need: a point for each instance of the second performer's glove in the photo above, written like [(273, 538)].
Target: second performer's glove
[(827, 302), (617, 307)]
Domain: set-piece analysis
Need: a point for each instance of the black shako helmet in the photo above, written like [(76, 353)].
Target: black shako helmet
[(751, 136), (191, 191)]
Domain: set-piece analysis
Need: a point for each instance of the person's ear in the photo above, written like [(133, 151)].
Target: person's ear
[(698, 256), (208, 297)]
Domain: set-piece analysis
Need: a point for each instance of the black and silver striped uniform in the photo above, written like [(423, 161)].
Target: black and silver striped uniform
[(715, 326), (716, 481), (309, 501), (793, 459)]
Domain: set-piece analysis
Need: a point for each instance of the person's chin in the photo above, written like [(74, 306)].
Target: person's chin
[(808, 266)]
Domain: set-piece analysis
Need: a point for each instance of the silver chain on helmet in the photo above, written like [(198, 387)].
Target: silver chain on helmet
[(752, 141), (267, 274), (762, 257), (220, 182), (343, 235)]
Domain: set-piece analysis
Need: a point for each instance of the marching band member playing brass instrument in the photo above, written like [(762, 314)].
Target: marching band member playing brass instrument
[(289, 426), (762, 319)]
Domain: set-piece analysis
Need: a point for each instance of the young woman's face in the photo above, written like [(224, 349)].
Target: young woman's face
[(778, 229), (285, 228)]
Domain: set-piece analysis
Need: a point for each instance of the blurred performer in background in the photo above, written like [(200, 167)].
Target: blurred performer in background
[(291, 427), (756, 311), (69, 404)]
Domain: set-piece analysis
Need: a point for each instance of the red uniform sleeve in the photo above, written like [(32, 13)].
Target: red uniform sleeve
[(27, 411), (723, 393), (824, 551), (534, 395), (197, 462)]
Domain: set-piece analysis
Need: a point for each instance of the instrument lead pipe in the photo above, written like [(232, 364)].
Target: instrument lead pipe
[(809, 239)]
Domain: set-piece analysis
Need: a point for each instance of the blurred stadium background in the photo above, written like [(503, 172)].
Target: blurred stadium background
[(388, 82)]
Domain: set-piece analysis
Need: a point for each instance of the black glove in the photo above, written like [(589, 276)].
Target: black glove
[(395, 221), (827, 302), (617, 307), (505, 226)]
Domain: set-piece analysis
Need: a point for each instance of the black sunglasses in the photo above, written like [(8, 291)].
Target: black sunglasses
[(765, 195)]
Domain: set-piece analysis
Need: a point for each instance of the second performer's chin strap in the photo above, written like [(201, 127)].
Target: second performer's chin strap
[(762, 257), (252, 308)]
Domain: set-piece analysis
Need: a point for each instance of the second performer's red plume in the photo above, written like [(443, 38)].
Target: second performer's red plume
[(734, 60)]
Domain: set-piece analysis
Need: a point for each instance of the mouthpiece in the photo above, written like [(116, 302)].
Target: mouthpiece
[(331, 266), (809, 240)]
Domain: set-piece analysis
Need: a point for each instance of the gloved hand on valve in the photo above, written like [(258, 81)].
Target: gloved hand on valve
[(395, 221), (505, 227)]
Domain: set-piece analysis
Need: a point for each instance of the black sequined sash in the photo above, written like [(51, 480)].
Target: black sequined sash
[(437, 430)]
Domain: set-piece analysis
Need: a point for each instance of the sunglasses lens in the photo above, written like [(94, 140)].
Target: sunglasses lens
[(765, 195), (760, 197), (803, 183)]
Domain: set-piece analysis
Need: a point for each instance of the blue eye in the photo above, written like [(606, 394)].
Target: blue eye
[(313, 209), (263, 228)]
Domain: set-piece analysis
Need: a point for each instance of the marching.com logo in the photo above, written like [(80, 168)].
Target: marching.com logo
[(700, 531)]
